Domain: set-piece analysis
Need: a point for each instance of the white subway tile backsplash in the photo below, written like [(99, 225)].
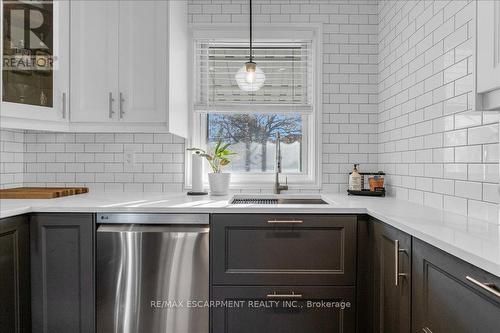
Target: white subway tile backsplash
[(483, 210), (483, 134), (470, 190), (455, 138), (397, 90), (84, 137), (455, 171), (468, 119), (483, 173), (443, 155), (455, 204), (433, 170), (434, 200), (490, 192), (426, 69), (97, 160), (468, 154), (490, 153), (444, 186)]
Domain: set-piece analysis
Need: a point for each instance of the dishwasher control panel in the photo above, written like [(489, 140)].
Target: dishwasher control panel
[(139, 218)]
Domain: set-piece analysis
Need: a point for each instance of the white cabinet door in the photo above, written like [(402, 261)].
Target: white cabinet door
[(488, 53), (94, 61), (61, 49), (179, 64), (35, 96), (143, 61)]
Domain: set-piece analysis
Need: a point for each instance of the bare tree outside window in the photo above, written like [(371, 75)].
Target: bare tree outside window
[(253, 137)]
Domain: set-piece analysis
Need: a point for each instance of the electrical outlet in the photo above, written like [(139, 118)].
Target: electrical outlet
[(129, 157)]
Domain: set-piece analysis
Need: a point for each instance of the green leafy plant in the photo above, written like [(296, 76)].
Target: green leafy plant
[(218, 158)]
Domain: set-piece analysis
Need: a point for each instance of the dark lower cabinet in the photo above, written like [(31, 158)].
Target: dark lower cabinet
[(283, 273), (62, 273), (392, 250), (14, 275), (364, 276), (293, 309), (450, 295), (259, 249)]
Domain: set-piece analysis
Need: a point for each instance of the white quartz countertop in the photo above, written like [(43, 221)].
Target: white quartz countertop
[(472, 240)]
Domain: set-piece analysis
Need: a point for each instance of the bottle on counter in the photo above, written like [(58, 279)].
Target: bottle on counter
[(355, 183)]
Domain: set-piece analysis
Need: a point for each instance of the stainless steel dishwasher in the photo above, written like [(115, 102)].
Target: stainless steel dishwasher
[(150, 269)]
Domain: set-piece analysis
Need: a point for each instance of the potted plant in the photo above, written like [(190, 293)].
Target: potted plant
[(217, 159)]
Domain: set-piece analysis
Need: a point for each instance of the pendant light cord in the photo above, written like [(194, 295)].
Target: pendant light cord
[(251, 55)]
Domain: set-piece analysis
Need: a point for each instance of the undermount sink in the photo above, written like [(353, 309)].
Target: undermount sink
[(277, 200)]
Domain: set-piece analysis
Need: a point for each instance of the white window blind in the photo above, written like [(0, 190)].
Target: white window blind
[(287, 67)]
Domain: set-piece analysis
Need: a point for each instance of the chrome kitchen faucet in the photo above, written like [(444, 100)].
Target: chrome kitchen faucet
[(277, 186)]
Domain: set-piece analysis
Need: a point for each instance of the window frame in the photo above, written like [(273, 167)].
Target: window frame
[(310, 179)]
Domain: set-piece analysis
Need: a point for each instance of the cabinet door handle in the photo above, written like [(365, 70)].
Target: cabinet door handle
[(122, 100), (489, 287), (64, 105), (110, 105), (285, 221), (284, 296), (426, 330), (397, 275)]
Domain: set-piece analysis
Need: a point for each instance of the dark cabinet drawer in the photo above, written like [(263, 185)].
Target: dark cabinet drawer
[(250, 310), (445, 300), (283, 249)]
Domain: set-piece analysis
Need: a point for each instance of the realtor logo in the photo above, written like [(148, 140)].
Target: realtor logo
[(28, 38)]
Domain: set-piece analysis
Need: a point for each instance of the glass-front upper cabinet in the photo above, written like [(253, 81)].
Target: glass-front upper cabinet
[(35, 71)]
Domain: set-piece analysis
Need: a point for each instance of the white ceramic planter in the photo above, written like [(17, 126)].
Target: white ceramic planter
[(219, 183)]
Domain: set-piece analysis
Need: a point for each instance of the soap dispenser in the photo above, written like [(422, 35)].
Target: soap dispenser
[(355, 179)]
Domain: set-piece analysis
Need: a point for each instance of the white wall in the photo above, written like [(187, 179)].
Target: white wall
[(435, 151), (349, 86), (397, 91), (349, 111)]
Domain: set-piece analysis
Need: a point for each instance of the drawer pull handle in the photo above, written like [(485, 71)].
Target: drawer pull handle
[(285, 221), (120, 103), (292, 295), (110, 105), (397, 275), (489, 287), (64, 105)]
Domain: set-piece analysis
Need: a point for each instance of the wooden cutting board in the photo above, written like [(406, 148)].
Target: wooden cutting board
[(40, 192)]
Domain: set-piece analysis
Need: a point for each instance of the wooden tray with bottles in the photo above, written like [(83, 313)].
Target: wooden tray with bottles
[(373, 192)]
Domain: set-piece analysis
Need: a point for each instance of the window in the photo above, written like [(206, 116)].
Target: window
[(252, 136), (250, 121)]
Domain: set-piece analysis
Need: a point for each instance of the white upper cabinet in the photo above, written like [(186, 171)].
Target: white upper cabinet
[(125, 61), (143, 61), (488, 54), (179, 63), (121, 63), (35, 66), (94, 63)]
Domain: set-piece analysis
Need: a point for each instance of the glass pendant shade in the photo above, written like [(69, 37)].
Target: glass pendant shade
[(250, 77)]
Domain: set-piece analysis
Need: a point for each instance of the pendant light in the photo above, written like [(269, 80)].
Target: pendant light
[(250, 77)]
